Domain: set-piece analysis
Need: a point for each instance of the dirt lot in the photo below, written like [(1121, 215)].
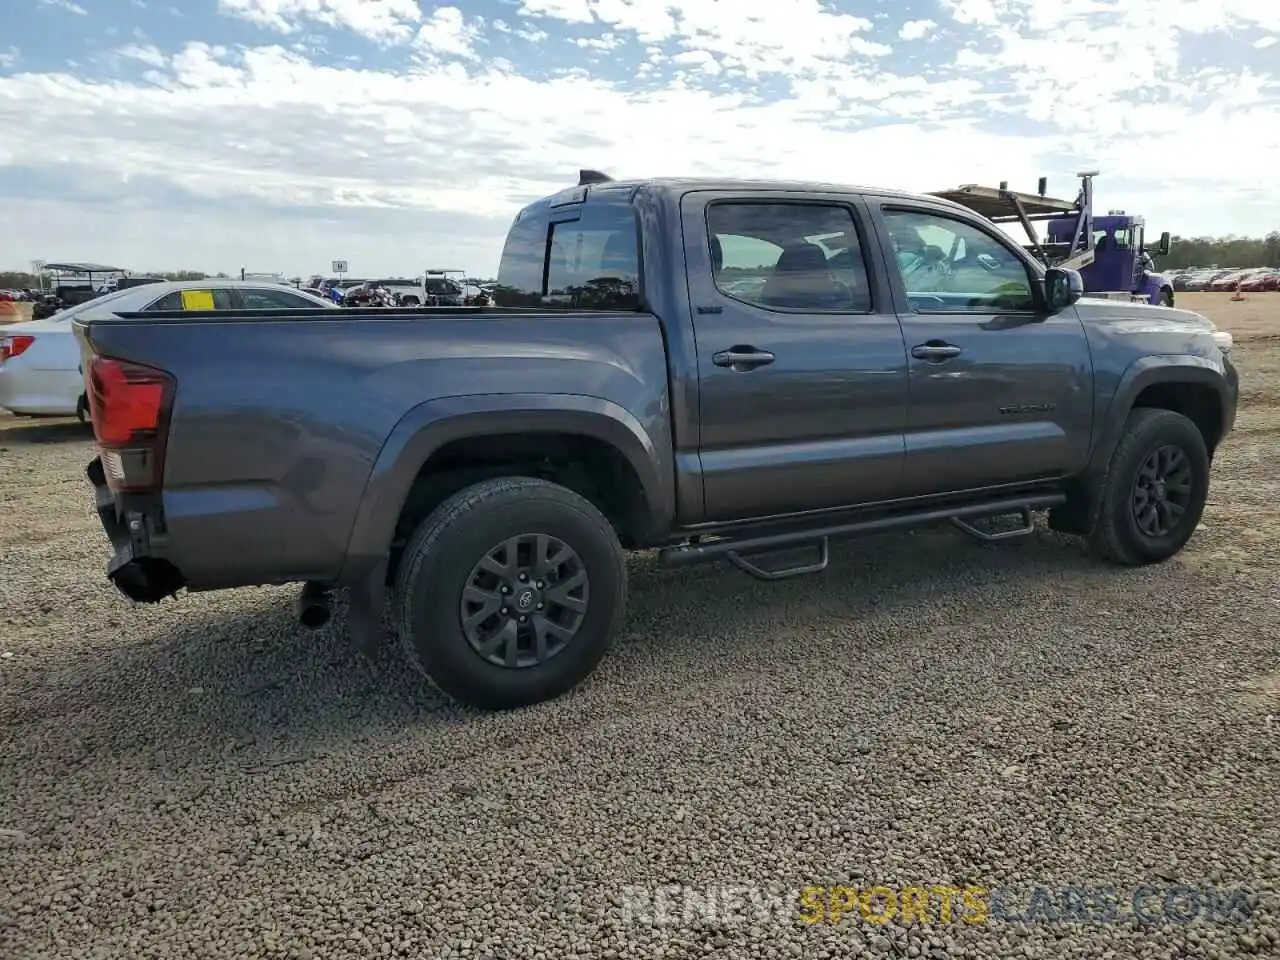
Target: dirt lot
[(203, 779)]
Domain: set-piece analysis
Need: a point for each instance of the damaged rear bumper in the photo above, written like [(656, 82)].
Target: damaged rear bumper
[(137, 568)]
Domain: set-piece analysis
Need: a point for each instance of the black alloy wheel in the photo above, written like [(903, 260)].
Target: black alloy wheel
[(1161, 491), (1149, 500), (525, 601), (510, 592)]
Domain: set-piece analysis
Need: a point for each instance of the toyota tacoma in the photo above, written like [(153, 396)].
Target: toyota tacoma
[(715, 369)]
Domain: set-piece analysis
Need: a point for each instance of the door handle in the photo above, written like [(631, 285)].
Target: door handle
[(935, 350), (742, 358)]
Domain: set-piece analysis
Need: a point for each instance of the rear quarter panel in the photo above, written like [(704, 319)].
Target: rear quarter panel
[(276, 424)]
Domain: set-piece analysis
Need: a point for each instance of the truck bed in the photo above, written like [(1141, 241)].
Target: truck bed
[(347, 313), (279, 416)]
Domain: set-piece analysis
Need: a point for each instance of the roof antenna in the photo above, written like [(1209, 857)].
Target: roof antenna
[(592, 176)]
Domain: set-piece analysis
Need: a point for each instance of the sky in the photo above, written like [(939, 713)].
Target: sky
[(403, 135)]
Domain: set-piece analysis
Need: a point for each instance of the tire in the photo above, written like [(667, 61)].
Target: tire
[(1115, 532), (82, 410), (442, 558), (1166, 297), (409, 302)]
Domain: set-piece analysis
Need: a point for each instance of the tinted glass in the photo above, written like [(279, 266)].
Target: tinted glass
[(591, 263), (950, 266), (173, 301), (523, 259), (792, 256), (275, 300)]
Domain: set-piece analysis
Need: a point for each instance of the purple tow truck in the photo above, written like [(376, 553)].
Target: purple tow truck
[(1109, 251)]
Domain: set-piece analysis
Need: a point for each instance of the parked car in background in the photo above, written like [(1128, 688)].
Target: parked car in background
[(1262, 281), (1202, 280), (1228, 281), (40, 360)]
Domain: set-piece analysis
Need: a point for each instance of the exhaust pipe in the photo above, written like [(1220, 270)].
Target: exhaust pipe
[(315, 605)]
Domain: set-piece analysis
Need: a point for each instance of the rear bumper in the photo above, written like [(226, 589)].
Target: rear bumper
[(136, 567), (43, 392)]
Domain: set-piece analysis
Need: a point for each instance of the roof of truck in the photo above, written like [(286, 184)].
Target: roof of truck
[(684, 184)]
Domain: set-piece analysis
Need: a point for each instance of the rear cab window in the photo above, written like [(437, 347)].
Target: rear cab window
[(582, 255)]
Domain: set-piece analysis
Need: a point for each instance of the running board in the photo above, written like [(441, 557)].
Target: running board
[(784, 573), (1028, 527), (737, 549)]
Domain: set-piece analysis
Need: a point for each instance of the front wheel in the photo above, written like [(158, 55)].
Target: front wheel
[(1166, 297), (510, 592), (1155, 489)]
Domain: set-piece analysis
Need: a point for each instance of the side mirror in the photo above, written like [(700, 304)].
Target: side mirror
[(1163, 249), (1062, 288)]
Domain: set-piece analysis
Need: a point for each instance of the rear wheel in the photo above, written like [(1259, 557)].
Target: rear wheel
[(82, 410), (1155, 489), (1166, 297), (510, 592)]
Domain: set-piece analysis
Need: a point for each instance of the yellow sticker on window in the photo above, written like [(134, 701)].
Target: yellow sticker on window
[(197, 299)]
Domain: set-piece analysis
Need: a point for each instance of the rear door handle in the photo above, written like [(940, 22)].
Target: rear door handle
[(935, 351), (742, 358)]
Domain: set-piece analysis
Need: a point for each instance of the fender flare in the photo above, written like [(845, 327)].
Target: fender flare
[(1145, 372), (432, 424)]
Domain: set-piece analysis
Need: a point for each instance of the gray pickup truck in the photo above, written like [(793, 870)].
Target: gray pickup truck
[(716, 369)]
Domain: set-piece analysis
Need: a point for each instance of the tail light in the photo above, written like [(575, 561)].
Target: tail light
[(15, 346), (129, 408)]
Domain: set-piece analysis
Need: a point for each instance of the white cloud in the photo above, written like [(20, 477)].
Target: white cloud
[(916, 29), (66, 5), (9, 57), (1266, 42), (375, 19), (447, 32), (272, 158), (758, 37), (143, 53)]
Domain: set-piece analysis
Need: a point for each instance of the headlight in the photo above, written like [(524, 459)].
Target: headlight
[(1224, 340)]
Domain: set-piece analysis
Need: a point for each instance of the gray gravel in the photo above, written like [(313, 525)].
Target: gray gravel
[(204, 779)]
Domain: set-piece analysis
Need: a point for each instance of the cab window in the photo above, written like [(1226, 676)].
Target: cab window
[(789, 256), (949, 266), (590, 263)]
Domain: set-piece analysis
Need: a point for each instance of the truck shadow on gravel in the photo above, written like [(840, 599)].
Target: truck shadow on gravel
[(253, 689), (23, 431)]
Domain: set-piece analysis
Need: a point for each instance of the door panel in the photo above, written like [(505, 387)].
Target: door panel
[(1000, 392), (821, 423)]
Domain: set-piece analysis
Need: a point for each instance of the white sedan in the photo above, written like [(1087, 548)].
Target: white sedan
[(40, 360)]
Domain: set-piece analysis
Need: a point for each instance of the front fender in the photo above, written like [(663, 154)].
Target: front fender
[(1151, 370), (430, 425)]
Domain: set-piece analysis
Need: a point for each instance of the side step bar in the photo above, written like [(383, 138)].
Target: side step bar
[(734, 549)]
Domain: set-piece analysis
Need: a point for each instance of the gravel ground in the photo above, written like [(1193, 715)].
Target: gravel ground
[(204, 779)]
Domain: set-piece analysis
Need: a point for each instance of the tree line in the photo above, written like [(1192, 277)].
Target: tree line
[(21, 280), (1229, 251)]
